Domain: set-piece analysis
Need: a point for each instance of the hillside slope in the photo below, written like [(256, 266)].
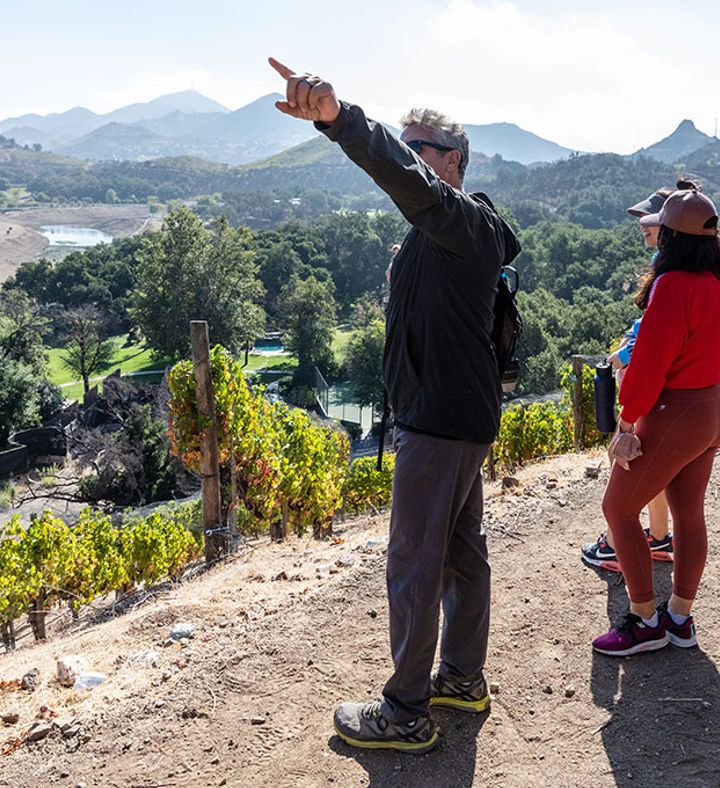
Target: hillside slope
[(249, 700)]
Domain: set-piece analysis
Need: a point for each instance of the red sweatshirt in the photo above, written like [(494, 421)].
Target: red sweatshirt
[(678, 345)]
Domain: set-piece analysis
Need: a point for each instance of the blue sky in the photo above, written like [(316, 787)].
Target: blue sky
[(591, 76)]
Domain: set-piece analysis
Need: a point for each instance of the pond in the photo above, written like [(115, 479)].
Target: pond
[(64, 235)]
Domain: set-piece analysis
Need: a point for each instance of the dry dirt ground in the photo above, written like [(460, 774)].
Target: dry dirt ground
[(25, 240), (248, 701)]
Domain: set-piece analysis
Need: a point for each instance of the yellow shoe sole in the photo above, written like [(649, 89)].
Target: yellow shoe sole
[(473, 706), (412, 747)]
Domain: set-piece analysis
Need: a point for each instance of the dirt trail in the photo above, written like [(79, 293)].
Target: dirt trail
[(248, 701)]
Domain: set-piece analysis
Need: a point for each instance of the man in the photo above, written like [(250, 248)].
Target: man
[(441, 377)]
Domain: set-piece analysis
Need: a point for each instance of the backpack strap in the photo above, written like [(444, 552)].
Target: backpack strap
[(383, 425)]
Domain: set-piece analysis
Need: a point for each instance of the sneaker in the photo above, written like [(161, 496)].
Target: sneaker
[(682, 635), (631, 637), (363, 725), (660, 549), (469, 696), (601, 554)]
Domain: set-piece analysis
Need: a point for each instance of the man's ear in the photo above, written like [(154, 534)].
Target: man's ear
[(454, 157)]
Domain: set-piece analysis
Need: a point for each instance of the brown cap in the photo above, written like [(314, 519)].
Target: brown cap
[(686, 211)]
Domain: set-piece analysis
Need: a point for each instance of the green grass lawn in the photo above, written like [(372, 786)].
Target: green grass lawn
[(137, 358), (130, 358), (340, 340), (278, 363)]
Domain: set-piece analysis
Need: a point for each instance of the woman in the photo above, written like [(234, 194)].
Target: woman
[(669, 426), (601, 553)]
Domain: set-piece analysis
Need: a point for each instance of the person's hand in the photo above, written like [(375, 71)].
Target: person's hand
[(625, 426), (625, 445), (614, 359), (307, 97)]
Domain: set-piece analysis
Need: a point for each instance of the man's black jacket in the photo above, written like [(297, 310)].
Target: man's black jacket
[(440, 370)]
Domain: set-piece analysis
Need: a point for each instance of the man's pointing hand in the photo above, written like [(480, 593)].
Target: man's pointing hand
[(307, 97)]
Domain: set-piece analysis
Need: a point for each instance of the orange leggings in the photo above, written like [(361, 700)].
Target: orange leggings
[(679, 437)]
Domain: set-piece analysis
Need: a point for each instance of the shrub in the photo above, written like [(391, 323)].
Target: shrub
[(366, 486), (51, 562), (288, 469), (531, 431)]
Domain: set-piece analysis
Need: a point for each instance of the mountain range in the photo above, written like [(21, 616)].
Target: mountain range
[(189, 124)]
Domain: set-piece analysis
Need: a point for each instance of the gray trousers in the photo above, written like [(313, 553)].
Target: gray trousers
[(437, 552)]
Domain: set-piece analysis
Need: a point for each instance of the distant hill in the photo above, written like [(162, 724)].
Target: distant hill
[(27, 135), (319, 164), (514, 144), (705, 160), (189, 101), (62, 128), (675, 147), (57, 125), (121, 141), (178, 124)]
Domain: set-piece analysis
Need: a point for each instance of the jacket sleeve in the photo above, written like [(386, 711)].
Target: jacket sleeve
[(662, 334), (626, 350), (451, 218)]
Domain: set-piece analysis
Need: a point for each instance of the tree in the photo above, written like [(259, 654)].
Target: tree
[(22, 361), (18, 398), (185, 273), (363, 363), (23, 324), (308, 307), (102, 275), (87, 348), (357, 258)]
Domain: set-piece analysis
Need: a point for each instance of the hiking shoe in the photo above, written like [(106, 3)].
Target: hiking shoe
[(682, 635), (631, 637), (660, 549), (601, 554), (469, 696), (363, 725)]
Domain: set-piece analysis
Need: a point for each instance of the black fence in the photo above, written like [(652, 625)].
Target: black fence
[(43, 441), (13, 460)]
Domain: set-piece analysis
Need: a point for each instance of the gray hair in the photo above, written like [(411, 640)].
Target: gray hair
[(446, 132)]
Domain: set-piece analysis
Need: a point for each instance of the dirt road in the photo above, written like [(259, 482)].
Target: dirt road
[(248, 701)]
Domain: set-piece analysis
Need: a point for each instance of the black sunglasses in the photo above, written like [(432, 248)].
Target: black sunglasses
[(416, 145)]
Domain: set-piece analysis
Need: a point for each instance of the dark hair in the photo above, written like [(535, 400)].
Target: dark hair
[(680, 252)]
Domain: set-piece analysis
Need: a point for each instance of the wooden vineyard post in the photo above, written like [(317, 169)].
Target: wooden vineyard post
[(578, 362), (215, 531), (492, 473)]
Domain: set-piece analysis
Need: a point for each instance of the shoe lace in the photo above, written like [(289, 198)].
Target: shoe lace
[(373, 709)]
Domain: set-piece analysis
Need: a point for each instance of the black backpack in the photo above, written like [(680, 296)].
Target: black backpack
[(507, 328), (508, 324)]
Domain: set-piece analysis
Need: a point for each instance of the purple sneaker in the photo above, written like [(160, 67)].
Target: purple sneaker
[(631, 637), (682, 635)]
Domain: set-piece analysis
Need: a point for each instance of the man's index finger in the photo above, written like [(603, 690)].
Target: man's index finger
[(281, 69)]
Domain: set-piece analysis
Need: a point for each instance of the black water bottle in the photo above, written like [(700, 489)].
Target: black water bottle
[(604, 397)]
